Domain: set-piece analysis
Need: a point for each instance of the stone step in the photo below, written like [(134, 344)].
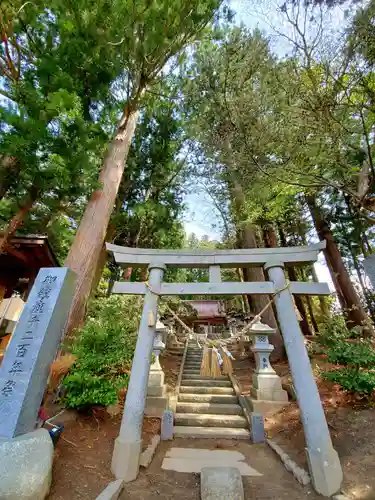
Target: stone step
[(203, 377), (194, 365), (208, 420), (207, 398), (175, 350), (207, 383), (206, 390), (209, 408), (195, 359), (210, 433)]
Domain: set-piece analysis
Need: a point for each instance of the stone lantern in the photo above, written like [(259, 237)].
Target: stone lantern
[(157, 400), (158, 346), (266, 383)]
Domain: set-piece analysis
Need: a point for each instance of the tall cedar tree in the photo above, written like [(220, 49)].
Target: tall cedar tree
[(147, 36)]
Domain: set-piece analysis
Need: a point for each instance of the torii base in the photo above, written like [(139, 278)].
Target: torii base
[(125, 459)]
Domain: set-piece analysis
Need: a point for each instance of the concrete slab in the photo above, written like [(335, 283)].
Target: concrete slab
[(112, 491), (221, 483), (191, 460), (192, 453), (196, 466)]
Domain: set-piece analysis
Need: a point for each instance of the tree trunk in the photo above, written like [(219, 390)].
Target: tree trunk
[(18, 219), (87, 245), (127, 273), (102, 261), (322, 301), (355, 314), (260, 301), (305, 327), (269, 237), (311, 313), (244, 301), (246, 238), (366, 247), (144, 274), (354, 257), (10, 168), (365, 291)]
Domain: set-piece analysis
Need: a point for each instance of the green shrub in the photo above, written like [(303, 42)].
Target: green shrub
[(353, 380), (334, 329), (357, 355), (360, 353), (104, 348)]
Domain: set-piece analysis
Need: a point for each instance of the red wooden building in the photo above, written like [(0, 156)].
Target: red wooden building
[(208, 312)]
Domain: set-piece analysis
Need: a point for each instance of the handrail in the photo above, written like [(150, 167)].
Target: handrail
[(241, 399), (179, 379), (172, 403)]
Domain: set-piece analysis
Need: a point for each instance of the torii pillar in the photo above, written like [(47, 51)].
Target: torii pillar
[(324, 462)]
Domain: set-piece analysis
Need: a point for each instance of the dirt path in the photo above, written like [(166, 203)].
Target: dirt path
[(275, 482), (82, 459), (81, 466), (352, 433), (351, 425)]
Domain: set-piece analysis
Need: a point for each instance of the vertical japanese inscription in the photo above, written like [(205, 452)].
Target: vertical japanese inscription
[(22, 348), (25, 368)]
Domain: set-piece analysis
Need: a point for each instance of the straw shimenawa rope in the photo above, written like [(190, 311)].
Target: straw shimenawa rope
[(205, 369), (227, 363), (210, 365), (215, 365), (259, 315), (188, 329)]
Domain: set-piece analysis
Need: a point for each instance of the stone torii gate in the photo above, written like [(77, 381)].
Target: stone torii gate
[(324, 463)]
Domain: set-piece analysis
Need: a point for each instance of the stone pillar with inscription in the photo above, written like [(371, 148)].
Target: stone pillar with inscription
[(23, 379), (34, 344)]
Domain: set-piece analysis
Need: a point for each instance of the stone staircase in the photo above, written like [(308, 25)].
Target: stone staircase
[(207, 407)]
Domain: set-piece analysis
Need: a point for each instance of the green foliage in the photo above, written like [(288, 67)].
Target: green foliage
[(334, 330), (149, 202), (104, 348), (360, 353), (67, 70), (352, 380), (355, 355)]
